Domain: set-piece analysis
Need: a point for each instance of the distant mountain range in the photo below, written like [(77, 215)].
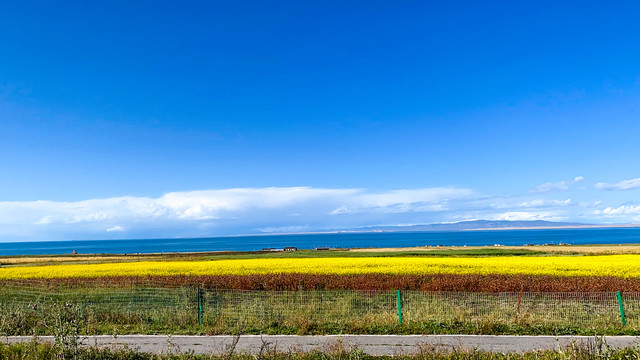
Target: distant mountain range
[(477, 225)]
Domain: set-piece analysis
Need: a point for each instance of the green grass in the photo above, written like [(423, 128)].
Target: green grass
[(343, 253), (483, 252)]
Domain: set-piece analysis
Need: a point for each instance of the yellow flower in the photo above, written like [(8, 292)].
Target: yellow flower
[(604, 265)]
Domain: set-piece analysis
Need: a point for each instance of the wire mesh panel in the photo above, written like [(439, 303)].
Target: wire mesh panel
[(254, 310), (103, 309), (458, 306), (631, 304), (594, 310), (157, 307)]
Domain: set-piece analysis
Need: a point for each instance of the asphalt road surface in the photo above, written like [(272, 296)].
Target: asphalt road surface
[(369, 344)]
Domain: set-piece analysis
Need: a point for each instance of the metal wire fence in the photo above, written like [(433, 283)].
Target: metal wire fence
[(593, 310), (191, 309)]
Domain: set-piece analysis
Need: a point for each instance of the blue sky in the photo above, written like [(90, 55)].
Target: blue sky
[(153, 118)]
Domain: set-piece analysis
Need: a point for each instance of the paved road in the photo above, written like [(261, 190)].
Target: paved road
[(369, 344)]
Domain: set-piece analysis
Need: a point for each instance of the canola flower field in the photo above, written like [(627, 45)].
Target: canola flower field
[(623, 266)]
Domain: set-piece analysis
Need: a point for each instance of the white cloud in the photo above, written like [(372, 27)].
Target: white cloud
[(232, 210), (524, 215), (402, 201), (555, 186), (621, 210), (280, 209), (622, 185), (341, 210), (285, 229), (626, 213), (544, 203), (209, 204), (524, 209), (395, 197)]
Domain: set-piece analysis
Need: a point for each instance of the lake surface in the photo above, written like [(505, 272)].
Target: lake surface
[(339, 240)]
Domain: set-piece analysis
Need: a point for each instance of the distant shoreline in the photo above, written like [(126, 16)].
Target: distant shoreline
[(549, 227), (559, 227)]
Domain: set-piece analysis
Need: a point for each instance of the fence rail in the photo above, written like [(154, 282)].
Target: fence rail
[(158, 308)]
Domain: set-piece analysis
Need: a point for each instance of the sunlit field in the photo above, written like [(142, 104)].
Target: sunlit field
[(467, 291), (623, 266)]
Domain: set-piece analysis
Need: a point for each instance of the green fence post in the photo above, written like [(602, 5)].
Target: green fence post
[(624, 321), (399, 308), (200, 305)]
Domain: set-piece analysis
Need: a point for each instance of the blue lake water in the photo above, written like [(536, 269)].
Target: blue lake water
[(339, 240)]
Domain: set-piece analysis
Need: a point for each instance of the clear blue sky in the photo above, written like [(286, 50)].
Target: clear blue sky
[(446, 110)]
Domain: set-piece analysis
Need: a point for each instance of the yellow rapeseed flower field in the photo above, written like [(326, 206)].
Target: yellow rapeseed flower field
[(605, 265)]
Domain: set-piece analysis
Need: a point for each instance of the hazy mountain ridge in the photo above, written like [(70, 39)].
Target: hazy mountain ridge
[(476, 225)]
